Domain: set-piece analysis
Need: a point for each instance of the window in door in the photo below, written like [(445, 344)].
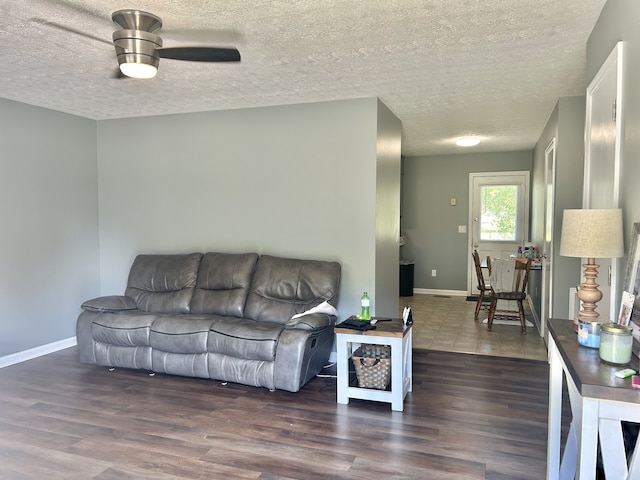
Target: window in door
[(499, 213)]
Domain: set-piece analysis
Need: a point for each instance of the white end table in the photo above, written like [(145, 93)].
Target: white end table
[(391, 333), (599, 402)]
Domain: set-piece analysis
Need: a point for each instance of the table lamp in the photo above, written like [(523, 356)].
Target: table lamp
[(591, 234)]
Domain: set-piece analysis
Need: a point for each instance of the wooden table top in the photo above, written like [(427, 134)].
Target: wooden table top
[(593, 378), (393, 328)]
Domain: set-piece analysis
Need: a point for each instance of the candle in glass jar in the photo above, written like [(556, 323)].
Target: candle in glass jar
[(615, 343)]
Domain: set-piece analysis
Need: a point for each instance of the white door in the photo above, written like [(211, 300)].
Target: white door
[(499, 216), (602, 162), (546, 296)]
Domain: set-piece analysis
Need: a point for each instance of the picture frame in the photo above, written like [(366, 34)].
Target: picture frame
[(632, 278), (626, 307)]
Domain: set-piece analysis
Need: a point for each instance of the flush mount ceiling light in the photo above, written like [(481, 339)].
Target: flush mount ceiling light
[(469, 141)]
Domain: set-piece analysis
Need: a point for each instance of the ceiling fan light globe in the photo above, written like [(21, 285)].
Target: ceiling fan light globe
[(138, 70)]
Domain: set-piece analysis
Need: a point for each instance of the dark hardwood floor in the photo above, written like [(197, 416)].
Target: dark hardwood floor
[(468, 417)]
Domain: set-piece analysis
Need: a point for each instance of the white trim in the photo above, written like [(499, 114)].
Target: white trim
[(547, 263), (37, 352), (574, 302), (430, 291), (536, 318), (613, 63)]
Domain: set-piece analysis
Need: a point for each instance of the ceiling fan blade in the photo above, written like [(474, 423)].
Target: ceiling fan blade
[(65, 28), (75, 8), (202, 36), (200, 54)]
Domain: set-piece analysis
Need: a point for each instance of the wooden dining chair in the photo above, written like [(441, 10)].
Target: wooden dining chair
[(483, 285), (518, 294)]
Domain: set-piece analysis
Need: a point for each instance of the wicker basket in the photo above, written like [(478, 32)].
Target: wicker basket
[(373, 366)]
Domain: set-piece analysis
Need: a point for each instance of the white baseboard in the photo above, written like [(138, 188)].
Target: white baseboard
[(429, 291), (37, 352), (534, 314)]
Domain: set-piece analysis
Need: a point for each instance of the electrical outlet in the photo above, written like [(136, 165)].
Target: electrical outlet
[(433, 273)]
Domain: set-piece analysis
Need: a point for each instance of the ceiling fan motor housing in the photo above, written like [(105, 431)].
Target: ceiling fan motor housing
[(137, 46), (137, 20)]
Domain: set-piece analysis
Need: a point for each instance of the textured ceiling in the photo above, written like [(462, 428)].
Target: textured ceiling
[(494, 68)]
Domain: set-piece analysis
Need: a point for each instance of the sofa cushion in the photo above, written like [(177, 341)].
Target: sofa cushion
[(223, 283), (180, 334), (243, 338), (163, 283), (283, 287), (124, 329)]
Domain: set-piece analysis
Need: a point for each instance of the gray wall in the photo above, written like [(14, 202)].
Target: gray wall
[(49, 224), (387, 211), (619, 21), (81, 198), (430, 224), (566, 125), (297, 180)]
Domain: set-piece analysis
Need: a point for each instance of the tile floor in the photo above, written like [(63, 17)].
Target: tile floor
[(446, 323)]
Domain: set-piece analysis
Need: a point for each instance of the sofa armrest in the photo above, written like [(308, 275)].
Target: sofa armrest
[(111, 303), (312, 321)]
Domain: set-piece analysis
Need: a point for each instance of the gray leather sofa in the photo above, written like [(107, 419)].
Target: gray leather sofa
[(216, 315)]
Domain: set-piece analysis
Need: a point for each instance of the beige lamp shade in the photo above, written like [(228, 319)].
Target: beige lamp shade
[(592, 233)]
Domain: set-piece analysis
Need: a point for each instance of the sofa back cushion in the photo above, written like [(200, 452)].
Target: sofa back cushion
[(163, 283), (223, 283), (282, 287)]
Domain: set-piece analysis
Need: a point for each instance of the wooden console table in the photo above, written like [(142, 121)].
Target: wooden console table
[(599, 402), (391, 333)]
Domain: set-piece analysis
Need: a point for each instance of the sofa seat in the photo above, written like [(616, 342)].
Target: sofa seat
[(179, 344), (129, 330), (183, 334), (245, 338), (122, 340)]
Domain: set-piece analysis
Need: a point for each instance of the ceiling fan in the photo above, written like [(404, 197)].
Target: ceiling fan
[(139, 48)]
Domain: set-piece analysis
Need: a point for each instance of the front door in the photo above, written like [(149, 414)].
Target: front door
[(499, 215)]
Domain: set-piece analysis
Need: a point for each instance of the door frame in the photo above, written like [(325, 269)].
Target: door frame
[(613, 61), (547, 261)]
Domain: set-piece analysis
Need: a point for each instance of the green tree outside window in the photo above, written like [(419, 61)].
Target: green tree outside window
[(498, 212)]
